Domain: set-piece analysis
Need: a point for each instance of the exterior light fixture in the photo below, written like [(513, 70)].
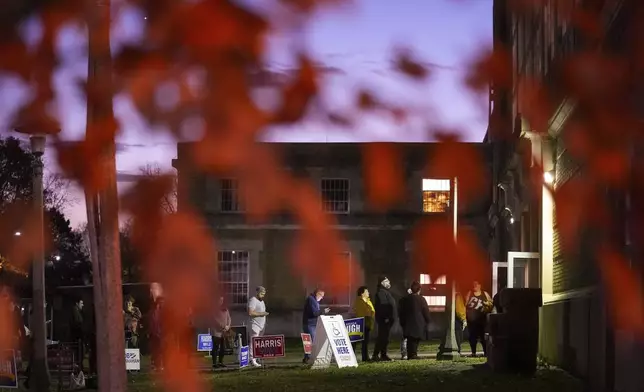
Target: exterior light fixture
[(548, 178), (17, 234)]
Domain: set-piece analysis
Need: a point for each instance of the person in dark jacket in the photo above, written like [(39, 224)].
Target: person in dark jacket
[(414, 319), (310, 315), (386, 315), (77, 330), (155, 331)]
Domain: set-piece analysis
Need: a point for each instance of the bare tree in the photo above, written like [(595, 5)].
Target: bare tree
[(169, 201), (57, 192)]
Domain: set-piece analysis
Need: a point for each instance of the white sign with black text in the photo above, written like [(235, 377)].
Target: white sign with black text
[(132, 359), (332, 341)]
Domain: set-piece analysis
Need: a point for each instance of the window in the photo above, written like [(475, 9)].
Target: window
[(426, 279), (230, 196), (436, 300), (233, 276), (436, 195), (335, 195)]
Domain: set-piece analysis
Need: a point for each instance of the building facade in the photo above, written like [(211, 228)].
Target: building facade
[(533, 167), (378, 243)]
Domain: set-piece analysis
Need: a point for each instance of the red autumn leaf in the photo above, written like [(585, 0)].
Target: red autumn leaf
[(450, 159), (297, 96), (624, 293), (491, 68), (383, 174), (409, 66)]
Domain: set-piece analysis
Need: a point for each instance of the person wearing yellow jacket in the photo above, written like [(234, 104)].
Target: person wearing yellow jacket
[(461, 320), (460, 316), (362, 307)]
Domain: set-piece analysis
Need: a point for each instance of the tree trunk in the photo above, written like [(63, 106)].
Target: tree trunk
[(108, 294)]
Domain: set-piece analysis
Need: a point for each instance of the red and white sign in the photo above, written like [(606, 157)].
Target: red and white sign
[(269, 346), (307, 343)]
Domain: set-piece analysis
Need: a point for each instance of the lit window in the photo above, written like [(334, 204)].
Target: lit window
[(335, 195), (441, 280), (426, 279), (435, 195), (436, 300), (233, 276)]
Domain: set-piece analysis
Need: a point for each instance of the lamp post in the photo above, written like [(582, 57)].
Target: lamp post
[(448, 349), (39, 367)]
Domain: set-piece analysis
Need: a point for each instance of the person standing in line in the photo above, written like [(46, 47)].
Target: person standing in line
[(496, 301), (478, 304), (461, 320), (257, 313), (131, 316), (222, 326), (362, 307), (155, 332), (385, 318), (414, 318), (310, 316), (403, 342), (77, 330)]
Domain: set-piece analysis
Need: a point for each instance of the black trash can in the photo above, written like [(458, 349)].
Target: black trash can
[(514, 334)]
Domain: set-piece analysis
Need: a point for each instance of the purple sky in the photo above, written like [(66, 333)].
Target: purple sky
[(359, 41)]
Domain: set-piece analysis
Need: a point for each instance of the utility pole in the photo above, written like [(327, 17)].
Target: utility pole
[(448, 349), (102, 208)]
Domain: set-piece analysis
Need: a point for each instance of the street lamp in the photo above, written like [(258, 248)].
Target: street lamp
[(39, 367), (449, 348)]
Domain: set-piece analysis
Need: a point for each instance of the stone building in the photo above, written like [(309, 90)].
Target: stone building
[(251, 255), (576, 331)]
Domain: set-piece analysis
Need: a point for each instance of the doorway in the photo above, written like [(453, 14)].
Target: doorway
[(520, 271)]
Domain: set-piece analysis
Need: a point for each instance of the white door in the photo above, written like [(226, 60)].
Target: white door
[(520, 271)]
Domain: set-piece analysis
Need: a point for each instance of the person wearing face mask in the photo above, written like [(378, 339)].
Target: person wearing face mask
[(310, 316), (385, 318)]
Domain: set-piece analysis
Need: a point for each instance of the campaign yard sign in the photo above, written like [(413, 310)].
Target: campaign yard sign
[(132, 359), (8, 371), (204, 342), (268, 346), (355, 328), (243, 357), (237, 330), (307, 343)]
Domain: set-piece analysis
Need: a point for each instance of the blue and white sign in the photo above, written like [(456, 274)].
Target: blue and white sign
[(355, 329), (8, 370), (204, 342), (243, 357), (132, 359)]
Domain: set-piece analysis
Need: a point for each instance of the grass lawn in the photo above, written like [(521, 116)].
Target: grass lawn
[(423, 375), (295, 351)]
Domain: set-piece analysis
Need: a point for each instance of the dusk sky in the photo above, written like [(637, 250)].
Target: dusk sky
[(357, 41)]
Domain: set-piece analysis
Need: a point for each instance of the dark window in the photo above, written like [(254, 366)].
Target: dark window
[(335, 195), (230, 196)]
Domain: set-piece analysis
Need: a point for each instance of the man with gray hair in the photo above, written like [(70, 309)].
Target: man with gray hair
[(257, 313)]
